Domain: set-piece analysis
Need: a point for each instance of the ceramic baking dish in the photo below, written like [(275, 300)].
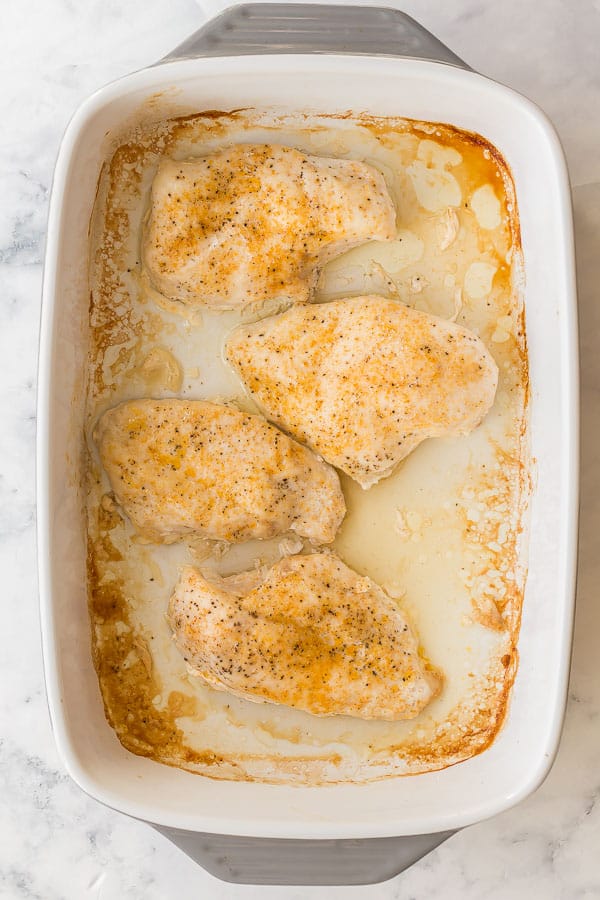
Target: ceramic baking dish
[(326, 59)]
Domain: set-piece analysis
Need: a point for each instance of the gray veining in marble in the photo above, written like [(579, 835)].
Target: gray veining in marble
[(55, 843)]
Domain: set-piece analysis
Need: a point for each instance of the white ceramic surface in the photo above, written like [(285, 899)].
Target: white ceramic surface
[(55, 843), (521, 755)]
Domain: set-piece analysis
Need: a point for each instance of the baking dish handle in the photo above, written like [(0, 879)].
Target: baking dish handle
[(247, 860), (253, 29)]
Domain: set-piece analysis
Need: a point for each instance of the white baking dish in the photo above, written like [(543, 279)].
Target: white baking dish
[(522, 754)]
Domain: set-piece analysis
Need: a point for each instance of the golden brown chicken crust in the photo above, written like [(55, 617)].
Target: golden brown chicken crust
[(181, 467), (255, 222), (313, 635), (363, 381)]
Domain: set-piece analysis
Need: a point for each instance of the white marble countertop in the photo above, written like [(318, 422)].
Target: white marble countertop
[(56, 843)]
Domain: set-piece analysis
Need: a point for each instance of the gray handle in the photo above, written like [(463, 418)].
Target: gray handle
[(244, 860), (265, 28)]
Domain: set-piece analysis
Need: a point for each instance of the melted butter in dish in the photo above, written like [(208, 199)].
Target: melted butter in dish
[(440, 534)]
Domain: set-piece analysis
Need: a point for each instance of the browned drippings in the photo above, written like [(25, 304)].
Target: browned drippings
[(120, 329)]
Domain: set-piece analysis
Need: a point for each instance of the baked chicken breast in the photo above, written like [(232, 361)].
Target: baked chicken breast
[(364, 380), (179, 467), (311, 634), (255, 222)]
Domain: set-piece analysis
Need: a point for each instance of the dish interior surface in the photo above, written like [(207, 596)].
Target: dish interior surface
[(443, 534)]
